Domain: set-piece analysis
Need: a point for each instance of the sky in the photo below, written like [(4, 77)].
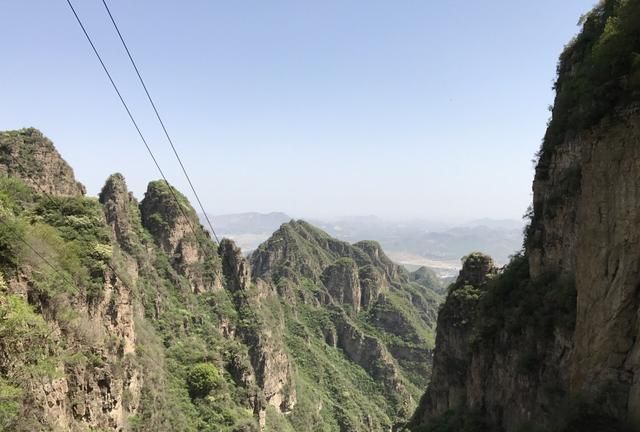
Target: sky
[(396, 108)]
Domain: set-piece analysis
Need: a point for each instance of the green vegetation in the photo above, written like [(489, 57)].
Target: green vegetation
[(184, 331), (34, 358), (10, 401), (513, 307), (598, 72), (202, 378), (165, 204), (515, 303), (180, 329), (80, 232), (327, 379)]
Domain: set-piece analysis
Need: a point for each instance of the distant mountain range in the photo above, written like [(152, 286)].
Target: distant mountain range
[(413, 243)]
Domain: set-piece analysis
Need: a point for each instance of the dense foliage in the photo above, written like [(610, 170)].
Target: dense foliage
[(515, 303), (598, 72)]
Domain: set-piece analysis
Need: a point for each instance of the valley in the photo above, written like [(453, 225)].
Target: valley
[(126, 312)]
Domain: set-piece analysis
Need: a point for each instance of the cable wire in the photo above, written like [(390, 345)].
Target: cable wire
[(135, 124), (155, 109)]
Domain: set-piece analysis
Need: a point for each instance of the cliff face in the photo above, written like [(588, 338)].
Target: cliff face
[(68, 334), (452, 359), (601, 217), (273, 368), (551, 341), (342, 282), (607, 354), (502, 351)]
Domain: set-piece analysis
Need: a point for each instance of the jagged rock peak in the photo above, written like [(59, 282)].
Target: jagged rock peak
[(114, 188), (29, 155), (297, 246), (426, 277), (477, 268), (121, 211), (173, 223), (162, 196), (234, 266), (377, 256), (163, 211)]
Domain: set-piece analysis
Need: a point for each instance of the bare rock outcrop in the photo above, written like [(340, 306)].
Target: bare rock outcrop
[(173, 223), (29, 155), (477, 269), (342, 281), (272, 367), (372, 284), (371, 354)]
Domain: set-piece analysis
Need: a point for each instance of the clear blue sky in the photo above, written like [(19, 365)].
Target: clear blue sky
[(316, 108)]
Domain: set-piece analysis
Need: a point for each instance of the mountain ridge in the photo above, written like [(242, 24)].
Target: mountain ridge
[(147, 324)]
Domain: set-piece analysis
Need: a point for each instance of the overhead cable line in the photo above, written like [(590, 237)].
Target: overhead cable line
[(155, 109), (135, 124)]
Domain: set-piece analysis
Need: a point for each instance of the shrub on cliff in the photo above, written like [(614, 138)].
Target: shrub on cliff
[(202, 379), (514, 302), (598, 71)]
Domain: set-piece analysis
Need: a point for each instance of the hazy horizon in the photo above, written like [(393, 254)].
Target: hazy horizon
[(437, 223), (415, 110)]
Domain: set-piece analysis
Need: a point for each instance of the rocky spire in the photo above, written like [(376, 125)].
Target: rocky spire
[(174, 225), (121, 211)]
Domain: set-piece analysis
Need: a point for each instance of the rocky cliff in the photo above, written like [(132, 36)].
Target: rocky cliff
[(550, 343), (124, 315), (31, 156)]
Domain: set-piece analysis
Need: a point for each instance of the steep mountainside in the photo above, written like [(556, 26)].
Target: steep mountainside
[(551, 343), (124, 315), (358, 330)]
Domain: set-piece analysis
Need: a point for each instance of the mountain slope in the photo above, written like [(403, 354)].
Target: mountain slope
[(349, 305)]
